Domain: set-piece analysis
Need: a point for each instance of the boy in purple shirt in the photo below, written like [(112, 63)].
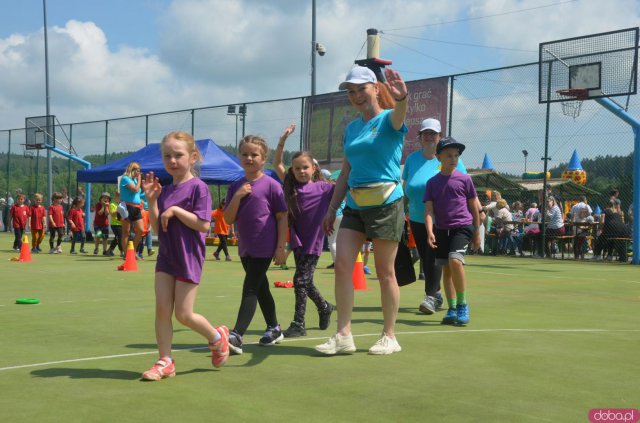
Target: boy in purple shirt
[(451, 200), (255, 203)]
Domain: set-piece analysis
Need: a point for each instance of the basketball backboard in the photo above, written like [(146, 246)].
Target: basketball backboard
[(605, 65), (40, 131)]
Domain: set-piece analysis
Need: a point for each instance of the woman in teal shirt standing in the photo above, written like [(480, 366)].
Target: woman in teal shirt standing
[(370, 179), (130, 187)]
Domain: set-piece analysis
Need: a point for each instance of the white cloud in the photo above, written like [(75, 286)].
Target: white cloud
[(215, 52)]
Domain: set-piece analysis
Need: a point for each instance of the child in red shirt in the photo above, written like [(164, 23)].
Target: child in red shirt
[(56, 222), (38, 222), (19, 216), (101, 223), (75, 217)]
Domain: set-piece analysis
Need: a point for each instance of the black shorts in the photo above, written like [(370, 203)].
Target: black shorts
[(135, 213), (452, 243)]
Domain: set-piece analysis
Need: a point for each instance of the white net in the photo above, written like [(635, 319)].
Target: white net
[(572, 108)]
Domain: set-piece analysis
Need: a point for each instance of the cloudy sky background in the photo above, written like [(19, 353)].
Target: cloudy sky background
[(110, 59)]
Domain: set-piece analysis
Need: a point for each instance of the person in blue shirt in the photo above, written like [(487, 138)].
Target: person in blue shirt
[(130, 187), (419, 167), (370, 179)]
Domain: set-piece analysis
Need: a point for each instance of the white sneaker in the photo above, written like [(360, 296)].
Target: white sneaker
[(337, 344), (385, 345), (58, 250)]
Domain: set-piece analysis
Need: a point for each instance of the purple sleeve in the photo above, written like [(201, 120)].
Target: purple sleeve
[(278, 202), (471, 189), (202, 202)]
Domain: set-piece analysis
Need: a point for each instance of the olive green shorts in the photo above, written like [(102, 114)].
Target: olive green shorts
[(385, 222)]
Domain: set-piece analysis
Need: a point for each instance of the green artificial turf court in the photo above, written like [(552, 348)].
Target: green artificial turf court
[(548, 341)]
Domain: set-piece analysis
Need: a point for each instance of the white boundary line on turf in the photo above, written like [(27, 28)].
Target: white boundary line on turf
[(106, 357)]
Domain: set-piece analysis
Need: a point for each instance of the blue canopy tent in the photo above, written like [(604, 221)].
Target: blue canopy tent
[(217, 168)]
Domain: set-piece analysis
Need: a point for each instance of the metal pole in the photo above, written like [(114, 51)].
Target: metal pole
[(313, 47), (244, 117), (617, 110), (543, 211), (237, 152), (48, 108)]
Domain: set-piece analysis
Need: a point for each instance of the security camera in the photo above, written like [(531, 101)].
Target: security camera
[(321, 49)]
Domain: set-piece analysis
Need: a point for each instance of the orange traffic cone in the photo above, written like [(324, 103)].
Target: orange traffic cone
[(25, 251), (130, 264), (359, 282)]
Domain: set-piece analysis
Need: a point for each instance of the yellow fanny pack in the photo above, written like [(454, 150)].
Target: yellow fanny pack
[(372, 194)]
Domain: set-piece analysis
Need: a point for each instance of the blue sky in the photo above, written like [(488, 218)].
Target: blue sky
[(117, 58)]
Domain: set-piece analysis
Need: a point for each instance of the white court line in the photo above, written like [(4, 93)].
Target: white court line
[(452, 331)]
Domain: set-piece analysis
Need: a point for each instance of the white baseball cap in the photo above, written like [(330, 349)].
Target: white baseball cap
[(430, 124), (359, 75)]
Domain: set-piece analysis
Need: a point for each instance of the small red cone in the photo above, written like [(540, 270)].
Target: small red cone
[(25, 251), (359, 281), (130, 264)]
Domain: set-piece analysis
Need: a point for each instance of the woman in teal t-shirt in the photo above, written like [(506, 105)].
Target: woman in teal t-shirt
[(130, 189), (369, 179)]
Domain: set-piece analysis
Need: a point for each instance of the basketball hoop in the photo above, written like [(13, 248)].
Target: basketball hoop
[(573, 104)]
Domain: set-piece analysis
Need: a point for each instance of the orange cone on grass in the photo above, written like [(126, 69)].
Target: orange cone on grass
[(25, 251), (130, 264), (359, 281)]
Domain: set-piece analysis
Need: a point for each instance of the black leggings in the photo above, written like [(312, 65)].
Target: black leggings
[(303, 284), (117, 236), (17, 241), (432, 271), (255, 290), (53, 232), (223, 245)]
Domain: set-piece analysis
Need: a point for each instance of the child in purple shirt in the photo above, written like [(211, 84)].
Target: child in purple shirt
[(451, 200), (308, 197), (179, 213), (255, 203)]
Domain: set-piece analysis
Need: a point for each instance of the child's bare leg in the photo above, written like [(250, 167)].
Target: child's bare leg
[(165, 287)]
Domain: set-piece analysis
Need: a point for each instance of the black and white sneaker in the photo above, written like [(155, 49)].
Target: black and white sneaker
[(235, 343), (272, 336)]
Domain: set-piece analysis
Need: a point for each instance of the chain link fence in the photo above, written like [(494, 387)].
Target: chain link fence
[(495, 113)]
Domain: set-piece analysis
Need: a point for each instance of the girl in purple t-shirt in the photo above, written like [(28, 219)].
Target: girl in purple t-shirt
[(180, 214), (308, 197), (255, 203)]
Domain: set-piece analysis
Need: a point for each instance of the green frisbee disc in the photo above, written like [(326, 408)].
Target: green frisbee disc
[(28, 301)]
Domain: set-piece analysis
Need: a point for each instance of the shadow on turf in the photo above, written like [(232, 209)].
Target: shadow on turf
[(87, 373), (433, 320), (101, 374)]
